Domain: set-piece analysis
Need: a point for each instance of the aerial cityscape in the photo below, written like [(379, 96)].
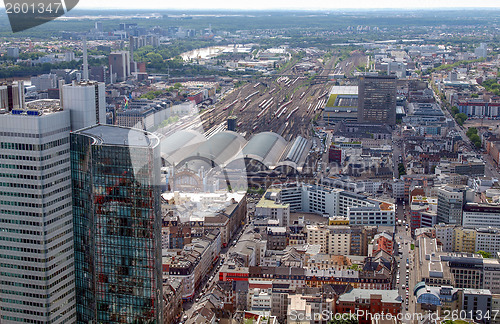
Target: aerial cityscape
[(336, 166)]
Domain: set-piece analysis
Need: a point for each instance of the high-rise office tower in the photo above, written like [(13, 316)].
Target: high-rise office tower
[(86, 102), (119, 63), (117, 225), (36, 241), (377, 99)]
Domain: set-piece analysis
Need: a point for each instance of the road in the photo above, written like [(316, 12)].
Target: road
[(404, 240), (212, 277), (490, 169)]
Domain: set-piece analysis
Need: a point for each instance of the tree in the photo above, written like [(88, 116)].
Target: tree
[(475, 139), (460, 118), (154, 58), (471, 131), (484, 254), (454, 110), (354, 267), (401, 169)]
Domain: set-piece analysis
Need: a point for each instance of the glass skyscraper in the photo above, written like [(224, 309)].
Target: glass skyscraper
[(377, 99), (117, 225)]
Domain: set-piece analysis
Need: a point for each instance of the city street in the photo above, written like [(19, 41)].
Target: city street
[(404, 239), (490, 169)]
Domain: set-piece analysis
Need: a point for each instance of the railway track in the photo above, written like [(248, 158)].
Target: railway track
[(284, 104)]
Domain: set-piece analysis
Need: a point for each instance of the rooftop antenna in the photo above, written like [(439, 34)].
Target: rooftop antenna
[(85, 61)]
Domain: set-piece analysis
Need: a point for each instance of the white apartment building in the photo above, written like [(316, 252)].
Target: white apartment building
[(339, 241), (36, 243)]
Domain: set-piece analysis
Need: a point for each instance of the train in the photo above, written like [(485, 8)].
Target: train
[(230, 105), (261, 113), (245, 105), (291, 113), (251, 95)]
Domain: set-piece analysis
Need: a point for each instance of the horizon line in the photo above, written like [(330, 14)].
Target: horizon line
[(291, 9)]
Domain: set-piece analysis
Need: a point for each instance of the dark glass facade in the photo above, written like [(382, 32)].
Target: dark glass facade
[(117, 233), (377, 99)]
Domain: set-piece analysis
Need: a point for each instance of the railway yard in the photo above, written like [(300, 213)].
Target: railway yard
[(284, 104)]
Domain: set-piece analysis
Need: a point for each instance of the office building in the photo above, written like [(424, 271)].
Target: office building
[(488, 240), (119, 65), (86, 102), (439, 300), (477, 302), (450, 202), (342, 104), (480, 215), (326, 201), (460, 270), (36, 241), (445, 235), (44, 82), (379, 213), (377, 99), (117, 225), (11, 95)]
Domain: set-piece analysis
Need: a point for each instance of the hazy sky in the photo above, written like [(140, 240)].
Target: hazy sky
[(284, 4)]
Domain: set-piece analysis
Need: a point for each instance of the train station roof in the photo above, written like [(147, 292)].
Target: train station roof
[(266, 147)]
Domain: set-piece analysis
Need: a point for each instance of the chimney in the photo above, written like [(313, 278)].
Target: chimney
[(85, 61)]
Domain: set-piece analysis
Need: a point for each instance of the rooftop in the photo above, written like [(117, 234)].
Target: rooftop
[(388, 296), (37, 108), (119, 136), (352, 90)]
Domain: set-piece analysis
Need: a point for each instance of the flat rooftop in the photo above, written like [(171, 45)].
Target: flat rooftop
[(120, 136), (352, 90)]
